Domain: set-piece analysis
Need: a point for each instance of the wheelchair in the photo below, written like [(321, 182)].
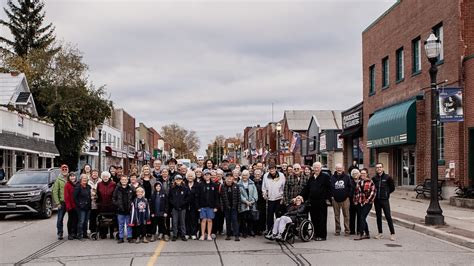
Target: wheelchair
[(303, 228)]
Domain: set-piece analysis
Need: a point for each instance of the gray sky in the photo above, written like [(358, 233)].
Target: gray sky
[(216, 67)]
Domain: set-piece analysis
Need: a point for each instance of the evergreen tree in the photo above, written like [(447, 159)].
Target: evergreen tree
[(26, 26)]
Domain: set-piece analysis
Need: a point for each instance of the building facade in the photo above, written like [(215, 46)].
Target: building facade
[(352, 133), (396, 94)]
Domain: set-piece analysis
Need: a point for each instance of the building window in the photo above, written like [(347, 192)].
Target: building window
[(119, 145), (372, 79), (438, 31), (109, 139), (104, 136), (385, 72), (400, 65), (416, 60), (114, 142)]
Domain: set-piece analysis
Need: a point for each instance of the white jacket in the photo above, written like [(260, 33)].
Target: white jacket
[(273, 188)]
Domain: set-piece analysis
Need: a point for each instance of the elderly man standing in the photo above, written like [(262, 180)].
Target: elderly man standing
[(341, 189), (294, 184), (318, 191), (157, 169)]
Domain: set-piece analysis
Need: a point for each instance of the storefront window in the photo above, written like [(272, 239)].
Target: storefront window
[(373, 159)]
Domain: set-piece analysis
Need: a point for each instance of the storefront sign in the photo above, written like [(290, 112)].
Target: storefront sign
[(352, 119), (450, 105), (340, 141), (46, 155), (387, 141)]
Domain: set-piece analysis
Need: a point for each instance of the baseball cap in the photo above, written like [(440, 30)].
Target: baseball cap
[(200, 157), (64, 166)]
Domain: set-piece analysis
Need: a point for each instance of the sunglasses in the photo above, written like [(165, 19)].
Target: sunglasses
[(296, 169)]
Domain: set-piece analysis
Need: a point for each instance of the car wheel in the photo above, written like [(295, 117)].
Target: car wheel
[(2, 216), (47, 208)]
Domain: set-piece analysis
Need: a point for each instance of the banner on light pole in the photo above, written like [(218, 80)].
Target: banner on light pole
[(450, 105)]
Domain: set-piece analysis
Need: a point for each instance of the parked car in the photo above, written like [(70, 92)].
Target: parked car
[(29, 191)]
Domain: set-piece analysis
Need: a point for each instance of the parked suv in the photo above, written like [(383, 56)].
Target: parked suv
[(29, 191)]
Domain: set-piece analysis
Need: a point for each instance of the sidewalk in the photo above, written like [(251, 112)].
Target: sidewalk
[(409, 212)]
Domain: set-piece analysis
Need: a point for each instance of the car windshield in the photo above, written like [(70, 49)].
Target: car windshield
[(25, 178)]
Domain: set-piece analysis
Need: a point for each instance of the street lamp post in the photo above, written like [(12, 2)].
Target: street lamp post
[(278, 129), (434, 214), (99, 127)]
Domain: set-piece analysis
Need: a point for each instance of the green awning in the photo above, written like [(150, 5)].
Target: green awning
[(395, 125)]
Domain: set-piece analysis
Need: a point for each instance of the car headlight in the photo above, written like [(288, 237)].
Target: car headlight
[(35, 193)]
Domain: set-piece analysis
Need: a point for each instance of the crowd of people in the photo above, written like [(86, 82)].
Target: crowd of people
[(170, 202)]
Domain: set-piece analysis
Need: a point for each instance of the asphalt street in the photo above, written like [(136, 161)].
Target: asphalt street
[(26, 240)]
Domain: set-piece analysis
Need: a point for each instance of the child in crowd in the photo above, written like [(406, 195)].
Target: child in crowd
[(159, 209), (207, 198), (122, 200), (140, 215), (179, 197)]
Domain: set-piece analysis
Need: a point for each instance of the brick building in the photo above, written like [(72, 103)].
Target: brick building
[(396, 105)]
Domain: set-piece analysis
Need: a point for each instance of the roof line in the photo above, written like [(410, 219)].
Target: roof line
[(382, 16)]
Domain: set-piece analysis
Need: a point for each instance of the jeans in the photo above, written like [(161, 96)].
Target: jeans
[(123, 221), (72, 223), (231, 222), (363, 212), (319, 217), (83, 217), (272, 209), (179, 219), (345, 205), (383, 204), (60, 218)]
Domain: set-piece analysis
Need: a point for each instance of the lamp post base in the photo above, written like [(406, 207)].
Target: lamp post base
[(434, 219)]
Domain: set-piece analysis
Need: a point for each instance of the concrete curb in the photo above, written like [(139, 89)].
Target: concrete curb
[(427, 230)]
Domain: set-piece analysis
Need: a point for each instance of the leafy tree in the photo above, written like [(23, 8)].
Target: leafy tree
[(26, 26), (186, 143)]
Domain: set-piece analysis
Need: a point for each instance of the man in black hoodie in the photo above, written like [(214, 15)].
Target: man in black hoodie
[(341, 188), (384, 186)]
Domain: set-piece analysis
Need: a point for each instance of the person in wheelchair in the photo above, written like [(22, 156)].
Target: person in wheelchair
[(294, 211)]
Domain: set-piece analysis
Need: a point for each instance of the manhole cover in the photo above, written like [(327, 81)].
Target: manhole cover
[(393, 245)]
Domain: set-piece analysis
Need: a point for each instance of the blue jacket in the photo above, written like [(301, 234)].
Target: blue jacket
[(252, 195)]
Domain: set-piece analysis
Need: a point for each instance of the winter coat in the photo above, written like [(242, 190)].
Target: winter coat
[(165, 185), (273, 187), (140, 212), (226, 201), (179, 197), (251, 196), (105, 192), (163, 208), (193, 196), (93, 186), (293, 187), (341, 187), (82, 197), (122, 199), (384, 186), (58, 190), (152, 185), (207, 195), (317, 189), (69, 196), (294, 211)]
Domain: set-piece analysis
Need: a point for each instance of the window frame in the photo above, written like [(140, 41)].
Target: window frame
[(400, 64), (416, 56), (372, 80), (385, 72)]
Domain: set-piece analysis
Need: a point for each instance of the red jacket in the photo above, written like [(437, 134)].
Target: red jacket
[(105, 192), (69, 196)]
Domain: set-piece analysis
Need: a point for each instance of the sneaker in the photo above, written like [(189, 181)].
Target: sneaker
[(137, 241), (184, 238), (120, 241), (359, 238), (160, 236), (70, 237), (167, 238), (337, 234), (209, 237), (278, 237), (60, 237), (347, 234), (366, 236), (130, 240), (145, 240), (153, 238), (193, 237), (201, 238), (227, 238), (237, 238), (213, 236), (392, 237), (378, 236), (174, 238)]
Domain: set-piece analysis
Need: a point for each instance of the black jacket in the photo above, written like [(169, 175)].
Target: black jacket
[(164, 204), (179, 197), (294, 211), (82, 197), (207, 195), (317, 189), (193, 196), (226, 202), (165, 185), (384, 186), (122, 199), (341, 187)]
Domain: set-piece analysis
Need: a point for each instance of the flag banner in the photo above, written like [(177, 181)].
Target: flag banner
[(294, 142), (450, 105)]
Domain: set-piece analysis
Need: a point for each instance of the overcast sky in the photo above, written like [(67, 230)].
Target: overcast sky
[(216, 67)]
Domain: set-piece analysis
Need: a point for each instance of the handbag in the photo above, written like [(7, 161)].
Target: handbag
[(254, 215)]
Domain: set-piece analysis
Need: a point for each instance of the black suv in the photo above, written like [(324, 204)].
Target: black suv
[(29, 191)]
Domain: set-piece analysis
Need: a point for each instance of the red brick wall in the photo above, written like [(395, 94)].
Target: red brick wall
[(129, 127), (406, 21)]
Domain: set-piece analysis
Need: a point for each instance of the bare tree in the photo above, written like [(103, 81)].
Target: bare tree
[(186, 143)]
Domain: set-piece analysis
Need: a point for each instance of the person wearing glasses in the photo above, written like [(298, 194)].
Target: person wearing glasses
[(58, 198), (384, 186), (294, 184)]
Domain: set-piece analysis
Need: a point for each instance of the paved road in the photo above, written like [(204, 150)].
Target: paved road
[(30, 241)]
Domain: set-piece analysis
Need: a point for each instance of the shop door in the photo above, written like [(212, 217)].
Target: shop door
[(408, 167)]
